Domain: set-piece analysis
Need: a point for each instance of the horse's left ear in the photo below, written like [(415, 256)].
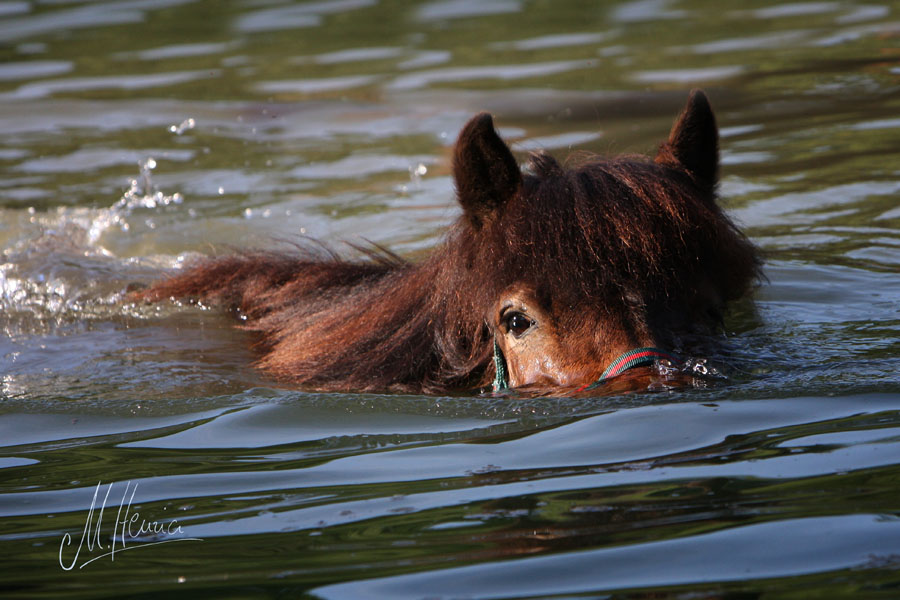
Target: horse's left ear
[(485, 172), (693, 143)]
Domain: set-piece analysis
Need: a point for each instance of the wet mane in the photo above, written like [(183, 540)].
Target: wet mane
[(628, 237)]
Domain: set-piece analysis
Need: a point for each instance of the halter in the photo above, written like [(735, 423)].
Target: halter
[(637, 357)]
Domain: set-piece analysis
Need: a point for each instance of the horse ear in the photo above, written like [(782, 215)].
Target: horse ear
[(693, 143), (485, 172)]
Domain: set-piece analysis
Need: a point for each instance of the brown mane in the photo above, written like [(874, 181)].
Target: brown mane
[(625, 236)]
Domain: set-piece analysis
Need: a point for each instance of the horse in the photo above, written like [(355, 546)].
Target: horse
[(554, 278)]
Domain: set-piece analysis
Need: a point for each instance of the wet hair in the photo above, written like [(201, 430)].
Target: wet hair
[(631, 238)]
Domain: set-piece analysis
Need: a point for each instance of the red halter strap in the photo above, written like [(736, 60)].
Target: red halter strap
[(638, 357), (633, 358)]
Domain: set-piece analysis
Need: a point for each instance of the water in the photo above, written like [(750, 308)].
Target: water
[(139, 133)]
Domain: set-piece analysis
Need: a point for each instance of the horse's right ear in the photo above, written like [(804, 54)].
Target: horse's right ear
[(693, 143), (485, 172)]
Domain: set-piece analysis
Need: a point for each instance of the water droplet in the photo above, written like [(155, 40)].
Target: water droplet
[(188, 123)]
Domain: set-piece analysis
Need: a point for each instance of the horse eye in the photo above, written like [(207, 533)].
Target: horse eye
[(517, 324)]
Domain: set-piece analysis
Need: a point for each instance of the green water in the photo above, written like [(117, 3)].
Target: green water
[(139, 133)]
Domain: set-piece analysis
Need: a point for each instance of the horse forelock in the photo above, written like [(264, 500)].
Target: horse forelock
[(616, 233)]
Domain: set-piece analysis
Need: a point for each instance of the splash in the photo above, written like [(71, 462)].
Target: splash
[(63, 275), (141, 193), (700, 367), (144, 193)]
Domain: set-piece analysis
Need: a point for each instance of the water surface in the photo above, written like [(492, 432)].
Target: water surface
[(141, 133)]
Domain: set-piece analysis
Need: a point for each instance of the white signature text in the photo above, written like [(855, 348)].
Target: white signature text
[(129, 531)]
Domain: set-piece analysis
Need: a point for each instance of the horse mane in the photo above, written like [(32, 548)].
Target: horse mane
[(624, 236)]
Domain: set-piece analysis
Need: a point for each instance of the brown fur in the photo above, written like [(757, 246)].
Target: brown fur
[(619, 251)]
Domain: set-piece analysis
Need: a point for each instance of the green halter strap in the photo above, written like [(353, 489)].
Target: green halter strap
[(500, 382), (629, 360)]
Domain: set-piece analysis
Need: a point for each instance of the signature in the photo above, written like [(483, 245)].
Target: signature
[(128, 526)]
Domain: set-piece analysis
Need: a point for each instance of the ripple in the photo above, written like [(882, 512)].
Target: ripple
[(427, 58), (851, 34), (794, 208), (876, 124), (10, 462), (864, 13), (277, 18), (458, 9), (821, 294), (299, 16), (805, 546), (360, 165), (422, 79), (686, 76), (215, 182), (555, 41), (799, 9), (13, 153), (646, 10), (743, 158), (732, 186), (92, 159), (109, 117), (887, 254), (765, 41), (90, 16), (13, 71), (239, 428), (178, 51), (357, 55), (44, 89), (14, 8), (315, 86), (890, 214), (563, 140), (739, 130)]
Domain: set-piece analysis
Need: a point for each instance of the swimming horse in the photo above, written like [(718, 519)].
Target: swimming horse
[(558, 278)]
